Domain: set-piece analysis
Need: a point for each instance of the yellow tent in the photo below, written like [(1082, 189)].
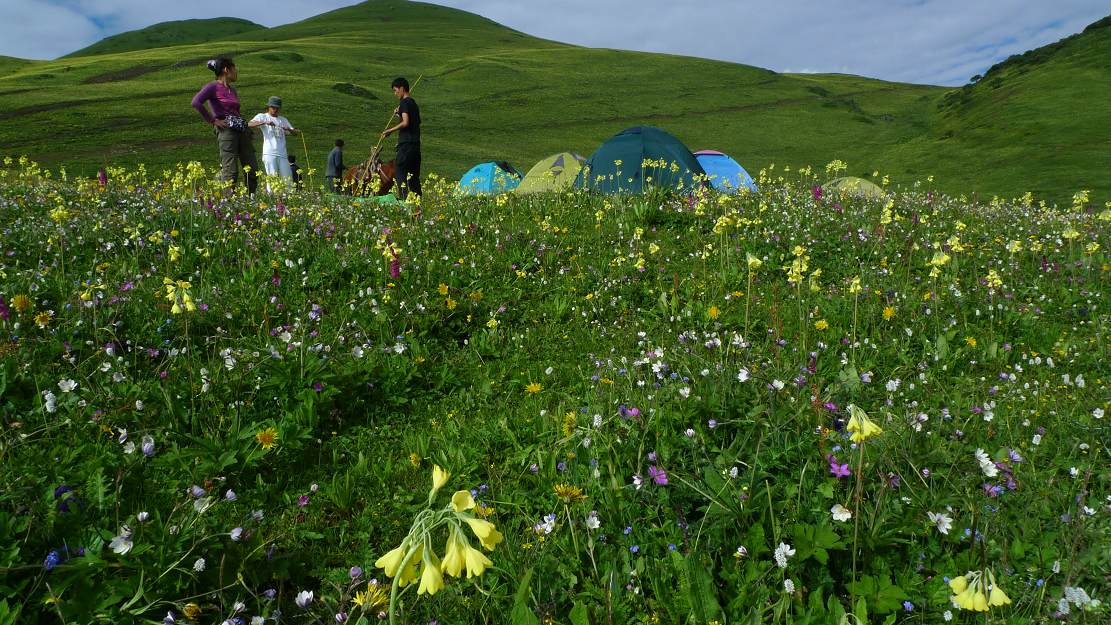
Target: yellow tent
[(555, 173), (851, 185)]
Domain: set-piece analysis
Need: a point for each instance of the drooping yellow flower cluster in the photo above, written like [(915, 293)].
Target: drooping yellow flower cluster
[(861, 427), (177, 292), (415, 557), (977, 591), (798, 266)]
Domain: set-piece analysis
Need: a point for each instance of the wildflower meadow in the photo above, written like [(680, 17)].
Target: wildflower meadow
[(772, 407)]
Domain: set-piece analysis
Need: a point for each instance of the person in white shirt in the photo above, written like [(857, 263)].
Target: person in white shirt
[(274, 129)]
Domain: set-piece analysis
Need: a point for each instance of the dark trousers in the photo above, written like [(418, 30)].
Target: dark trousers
[(408, 169), (237, 146)]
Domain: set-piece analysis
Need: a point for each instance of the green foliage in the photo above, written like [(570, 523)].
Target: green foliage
[(581, 365)]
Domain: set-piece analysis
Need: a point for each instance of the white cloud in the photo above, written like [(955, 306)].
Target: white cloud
[(38, 30), (932, 41)]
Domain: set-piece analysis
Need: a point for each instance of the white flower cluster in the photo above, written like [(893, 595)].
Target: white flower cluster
[(782, 552), (1076, 596), (986, 465)]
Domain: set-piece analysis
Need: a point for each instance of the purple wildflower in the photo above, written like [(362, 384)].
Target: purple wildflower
[(658, 475)]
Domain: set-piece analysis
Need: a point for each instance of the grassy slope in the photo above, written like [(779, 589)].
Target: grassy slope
[(1034, 123), (169, 34), (489, 91)]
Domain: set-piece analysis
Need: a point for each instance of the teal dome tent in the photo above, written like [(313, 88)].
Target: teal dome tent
[(639, 158)]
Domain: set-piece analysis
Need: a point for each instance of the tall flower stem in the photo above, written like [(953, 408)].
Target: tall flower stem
[(856, 525), (748, 301), (856, 305), (393, 586)]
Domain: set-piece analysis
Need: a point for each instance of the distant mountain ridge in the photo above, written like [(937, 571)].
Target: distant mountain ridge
[(163, 34)]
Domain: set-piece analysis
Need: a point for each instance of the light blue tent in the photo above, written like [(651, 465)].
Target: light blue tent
[(725, 174), (489, 178)]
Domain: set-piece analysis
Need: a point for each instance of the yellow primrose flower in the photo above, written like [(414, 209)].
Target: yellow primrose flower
[(993, 280), (485, 531), (462, 501), (431, 580), (860, 425), (454, 553), (439, 478), (996, 597), (752, 261), (391, 561), (476, 561), (854, 286)]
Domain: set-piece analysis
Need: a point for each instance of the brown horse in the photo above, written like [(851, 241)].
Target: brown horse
[(360, 179)]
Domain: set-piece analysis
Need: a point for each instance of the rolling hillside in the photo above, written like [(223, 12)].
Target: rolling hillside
[(492, 92), (169, 34)]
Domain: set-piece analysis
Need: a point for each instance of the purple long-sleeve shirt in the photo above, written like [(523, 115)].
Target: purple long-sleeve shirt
[(220, 97)]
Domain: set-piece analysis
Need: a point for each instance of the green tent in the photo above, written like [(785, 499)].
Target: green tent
[(853, 186), (639, 157), (555, 173)]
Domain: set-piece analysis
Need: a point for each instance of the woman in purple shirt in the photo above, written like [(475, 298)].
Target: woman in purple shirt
[(232, 134)]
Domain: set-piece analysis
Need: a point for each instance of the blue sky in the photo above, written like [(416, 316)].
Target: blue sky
[(925, 41)]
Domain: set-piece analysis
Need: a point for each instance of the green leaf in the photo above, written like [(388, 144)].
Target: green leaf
[(941, 347), (579, 614), (521, 614), (825, 489)]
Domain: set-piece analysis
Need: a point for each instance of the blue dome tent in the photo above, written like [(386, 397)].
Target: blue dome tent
[(726, 174), (489, 179)]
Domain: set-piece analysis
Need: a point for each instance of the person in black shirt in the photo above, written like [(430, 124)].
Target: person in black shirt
[(295, 170), (408, 140)]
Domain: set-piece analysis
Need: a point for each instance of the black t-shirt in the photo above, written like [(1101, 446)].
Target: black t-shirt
[(411, 133)]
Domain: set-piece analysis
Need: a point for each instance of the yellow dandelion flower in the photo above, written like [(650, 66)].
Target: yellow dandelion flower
[(442, 289), (821, 324), (569, 494), (714, 312), (267, 438), (533, 388), (888, 313), (21, 303), (451, 304), (568, 423), (43, 318), (414, 459), (970, 340), (191, 611)]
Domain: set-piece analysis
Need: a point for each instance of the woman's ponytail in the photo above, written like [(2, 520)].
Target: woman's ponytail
[(219, 65)]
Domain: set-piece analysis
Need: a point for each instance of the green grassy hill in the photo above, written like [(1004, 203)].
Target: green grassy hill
[(170, 34), (491, 92)]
